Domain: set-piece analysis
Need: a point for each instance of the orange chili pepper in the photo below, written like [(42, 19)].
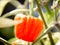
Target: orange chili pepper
[(27, 27)]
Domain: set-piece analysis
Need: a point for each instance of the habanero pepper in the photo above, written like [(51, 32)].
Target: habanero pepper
[(28, 27)]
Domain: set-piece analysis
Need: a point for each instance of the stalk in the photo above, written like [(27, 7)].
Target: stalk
[(46, 26)]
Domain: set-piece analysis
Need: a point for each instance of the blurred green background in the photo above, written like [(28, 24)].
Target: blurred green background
[(7, 31)]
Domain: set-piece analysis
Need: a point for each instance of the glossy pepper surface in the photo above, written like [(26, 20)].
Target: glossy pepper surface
[(28, 27)]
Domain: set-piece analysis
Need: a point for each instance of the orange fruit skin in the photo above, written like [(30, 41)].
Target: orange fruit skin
[(28, 28)]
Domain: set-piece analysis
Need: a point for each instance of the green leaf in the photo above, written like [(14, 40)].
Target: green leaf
[(2, 5), (49, 18), (12, 40), (5, 22), (49, 15), (18, 41), (7, 32)]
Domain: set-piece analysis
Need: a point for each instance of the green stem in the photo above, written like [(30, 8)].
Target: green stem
[(14, 12), (32, 7), (26, 3), (40, 12), (51, 39), (41, 42), (57, 26), (4, 41), (44, 33), (28, 43), (46, 26), (56, 14)]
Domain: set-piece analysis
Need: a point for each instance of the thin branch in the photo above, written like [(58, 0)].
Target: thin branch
[(14, 12), (4, 41), (42, 43), (31, 6), (44, 33), (40, 12), (46, 26), (25, 3)]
